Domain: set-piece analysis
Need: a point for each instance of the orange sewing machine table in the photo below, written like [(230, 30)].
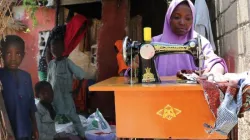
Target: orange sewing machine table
[(168, 110)]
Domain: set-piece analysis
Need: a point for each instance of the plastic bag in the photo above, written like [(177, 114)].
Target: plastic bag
[(98, 128)]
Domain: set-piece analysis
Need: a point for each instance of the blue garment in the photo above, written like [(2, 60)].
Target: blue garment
[(241, 81), (19, 100)]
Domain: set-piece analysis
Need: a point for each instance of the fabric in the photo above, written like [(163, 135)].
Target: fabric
[(212, 93), (25, 138), (226, 104), (202, 23), (68, 136), (245, 84), (168, 65), (75, 31), (225, 101), (60, 76), (19, 100), (42, 67), (62, 119), (121, 64), (45, 124), (42, 64), (80, 98), (83, 60), (5, 128), (225, 107), (42, 76), (50, 108)]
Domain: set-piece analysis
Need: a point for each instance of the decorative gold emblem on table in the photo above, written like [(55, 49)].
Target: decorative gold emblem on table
[(168, 112)]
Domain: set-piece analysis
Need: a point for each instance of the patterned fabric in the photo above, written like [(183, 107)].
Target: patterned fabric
[(42, 67), (212, 94), (223, 105), (225, 101)]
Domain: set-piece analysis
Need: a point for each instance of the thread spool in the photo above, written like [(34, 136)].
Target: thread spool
[(147, 34)]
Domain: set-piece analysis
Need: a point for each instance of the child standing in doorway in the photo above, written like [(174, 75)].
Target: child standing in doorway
[(17, 90), (60, 75)]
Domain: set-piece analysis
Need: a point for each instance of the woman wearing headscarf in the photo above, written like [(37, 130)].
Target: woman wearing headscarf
[(178, 29)]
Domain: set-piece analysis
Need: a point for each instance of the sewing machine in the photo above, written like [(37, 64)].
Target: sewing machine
[(147, 53), (170, 112)]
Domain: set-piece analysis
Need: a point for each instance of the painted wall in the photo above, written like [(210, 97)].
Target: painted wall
[(46, 21), (113, 28)]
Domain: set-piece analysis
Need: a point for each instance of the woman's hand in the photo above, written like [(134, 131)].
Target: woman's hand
[(216, 73)]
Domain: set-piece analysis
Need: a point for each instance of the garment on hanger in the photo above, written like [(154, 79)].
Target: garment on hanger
[(202, 23)]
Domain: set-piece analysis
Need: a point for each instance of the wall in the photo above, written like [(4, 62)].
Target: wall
[(110, 31), (232, 23), (46, 21)]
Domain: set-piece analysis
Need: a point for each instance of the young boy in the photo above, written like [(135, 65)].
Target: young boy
[(17, 89), (60, 75), (45, 115)]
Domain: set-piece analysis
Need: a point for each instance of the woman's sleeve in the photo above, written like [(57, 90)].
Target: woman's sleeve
[(211, 58)]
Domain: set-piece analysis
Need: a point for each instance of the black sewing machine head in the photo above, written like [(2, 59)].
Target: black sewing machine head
[(148, 52)]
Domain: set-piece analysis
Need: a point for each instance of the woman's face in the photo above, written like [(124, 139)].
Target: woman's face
[(181, 19)]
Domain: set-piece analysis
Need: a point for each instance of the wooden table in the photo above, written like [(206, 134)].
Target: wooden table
[(165, 110)]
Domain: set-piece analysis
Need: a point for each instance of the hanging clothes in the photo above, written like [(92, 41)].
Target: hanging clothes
[(75, 31), (121, 64), (202, 23), (80, 98)]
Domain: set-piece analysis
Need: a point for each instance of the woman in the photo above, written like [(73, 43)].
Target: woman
[(178, 29)]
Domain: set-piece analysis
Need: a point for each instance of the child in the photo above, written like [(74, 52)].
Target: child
[(45, 115), (17, 90), (60, 75)]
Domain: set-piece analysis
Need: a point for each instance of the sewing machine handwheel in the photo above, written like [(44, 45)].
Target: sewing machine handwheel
[(147, 51), (125, 45)]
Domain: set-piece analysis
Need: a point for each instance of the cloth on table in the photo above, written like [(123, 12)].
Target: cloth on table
[(226, 102)]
